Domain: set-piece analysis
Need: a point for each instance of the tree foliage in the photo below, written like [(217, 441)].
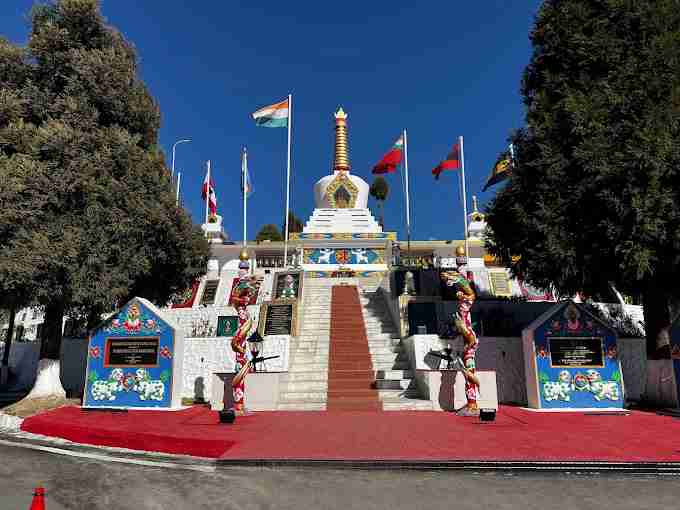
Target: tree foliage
[(594, 195), (379, 190), (294, 224), (87, 209), (269, 232)]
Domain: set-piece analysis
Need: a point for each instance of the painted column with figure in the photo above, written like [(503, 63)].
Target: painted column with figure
[(241, 297), (463, 324)]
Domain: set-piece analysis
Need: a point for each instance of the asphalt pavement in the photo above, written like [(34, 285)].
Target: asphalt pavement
[(77, 483)]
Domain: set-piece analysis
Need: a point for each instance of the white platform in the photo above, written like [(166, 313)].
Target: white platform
[(337, 221), (447, 389), (261, 391)]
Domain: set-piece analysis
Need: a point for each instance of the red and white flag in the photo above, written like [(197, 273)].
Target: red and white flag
[(452, 162), (208, 193), (392, 159)]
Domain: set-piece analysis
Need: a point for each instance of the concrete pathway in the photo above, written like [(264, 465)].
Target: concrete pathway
[(74, 483)]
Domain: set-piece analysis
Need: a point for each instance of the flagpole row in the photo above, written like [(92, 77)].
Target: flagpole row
[(408, 197), (462, 176), (244, 166), (290, 124), (207, 199)]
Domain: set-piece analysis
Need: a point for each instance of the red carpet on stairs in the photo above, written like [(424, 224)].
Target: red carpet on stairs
[(350, 370), (516, 435)]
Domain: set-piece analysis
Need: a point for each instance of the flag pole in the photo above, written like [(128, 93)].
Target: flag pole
[(207, 198), (244, 165), (290, 124), (179, 179), (462, 176), (408, 198)]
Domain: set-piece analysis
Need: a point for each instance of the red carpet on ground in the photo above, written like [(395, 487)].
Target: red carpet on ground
[(350, 369), (516, 435)]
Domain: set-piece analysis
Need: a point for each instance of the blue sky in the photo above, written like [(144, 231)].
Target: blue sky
[(438, 69)]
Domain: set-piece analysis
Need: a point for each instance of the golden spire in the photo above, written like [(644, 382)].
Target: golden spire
[(341, 147)]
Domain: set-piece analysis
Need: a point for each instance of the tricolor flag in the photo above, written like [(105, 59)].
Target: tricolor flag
[(209, 193), (452, 162), (502, 169), (392, 159), (273, 116), (246, 186)]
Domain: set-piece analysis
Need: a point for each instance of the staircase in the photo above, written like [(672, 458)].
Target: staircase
[(306, 385), (350, 369), (393, 377)]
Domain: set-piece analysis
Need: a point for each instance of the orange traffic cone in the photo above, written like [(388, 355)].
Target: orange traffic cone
[(38, 502)]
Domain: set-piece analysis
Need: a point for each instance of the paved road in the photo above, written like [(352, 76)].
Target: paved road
[(74, 483)]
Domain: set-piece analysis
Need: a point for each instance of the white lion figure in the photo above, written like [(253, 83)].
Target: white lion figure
[(104, 390), (600, 389), (151, 390), (361, 255), (325, 257), (560, 389)]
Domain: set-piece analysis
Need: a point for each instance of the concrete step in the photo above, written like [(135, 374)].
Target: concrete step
[(393, 384), (296, 368), (299, 396), (395, 365), (386, 358), (304, 386), (394, 374), (301, 405), (408, 405), (303, 376), (392, 395)]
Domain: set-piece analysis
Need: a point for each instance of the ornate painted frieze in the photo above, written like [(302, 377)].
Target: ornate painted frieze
[(344, 256)]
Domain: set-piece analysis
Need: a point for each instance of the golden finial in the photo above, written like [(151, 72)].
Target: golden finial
[(341, 145), (243, 256), (460, 251)]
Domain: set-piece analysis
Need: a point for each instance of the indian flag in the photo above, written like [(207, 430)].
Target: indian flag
[(273, 116)]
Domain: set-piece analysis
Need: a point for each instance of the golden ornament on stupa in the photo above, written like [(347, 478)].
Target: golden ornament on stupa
[(341, 163), (243, 256), (460, 251)]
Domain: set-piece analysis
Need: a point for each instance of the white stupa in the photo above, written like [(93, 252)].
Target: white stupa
[(341, 199)]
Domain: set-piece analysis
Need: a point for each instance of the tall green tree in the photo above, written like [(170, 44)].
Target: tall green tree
[(594, 197), (87, 210), (294, 224), (379, 190), (269, 232)]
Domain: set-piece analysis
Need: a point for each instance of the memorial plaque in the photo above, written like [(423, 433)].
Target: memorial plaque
[(287, 286), (279, 319), (576, 352), (131, 352), (227, 325), (500, 283)]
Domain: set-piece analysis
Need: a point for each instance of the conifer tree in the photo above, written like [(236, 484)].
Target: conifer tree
[(87, 209), (594, 197)]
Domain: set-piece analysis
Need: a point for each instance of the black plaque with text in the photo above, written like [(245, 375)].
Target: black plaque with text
[(279, 319), (131, 352), (576, 352)]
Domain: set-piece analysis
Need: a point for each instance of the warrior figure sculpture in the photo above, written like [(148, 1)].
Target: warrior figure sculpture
[(463, 323), (241, 298)]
